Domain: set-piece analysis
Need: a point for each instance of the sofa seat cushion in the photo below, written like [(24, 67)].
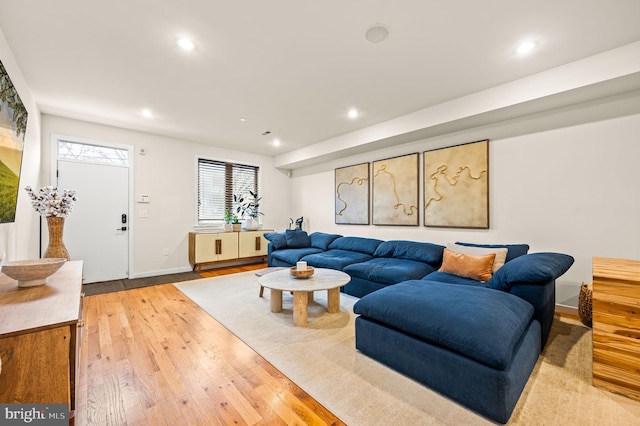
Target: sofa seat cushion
[(480, 323), (389, 270), (291, 256), (335, 259), (445, 277)]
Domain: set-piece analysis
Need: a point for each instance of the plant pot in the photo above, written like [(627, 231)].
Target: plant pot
[(251, 224), (228, 227), (237, 227)]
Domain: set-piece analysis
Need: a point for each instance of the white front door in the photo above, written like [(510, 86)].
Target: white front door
[(97, 230)]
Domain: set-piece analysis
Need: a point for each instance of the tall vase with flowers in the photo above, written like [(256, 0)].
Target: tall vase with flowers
[(54, 204)]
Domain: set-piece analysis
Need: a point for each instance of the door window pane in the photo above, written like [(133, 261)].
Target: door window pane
[(92, 153)]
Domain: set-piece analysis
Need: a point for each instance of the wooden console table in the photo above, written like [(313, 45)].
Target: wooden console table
[(39, 339), (616, 325)]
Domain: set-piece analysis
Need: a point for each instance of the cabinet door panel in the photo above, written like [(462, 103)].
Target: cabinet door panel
[(26, 357), (253, 243), (229, 245), (206, 248)]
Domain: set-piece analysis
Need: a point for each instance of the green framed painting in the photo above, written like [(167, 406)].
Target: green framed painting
[(13, 124)]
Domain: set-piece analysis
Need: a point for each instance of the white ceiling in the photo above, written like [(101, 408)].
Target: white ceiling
[(292, 67)]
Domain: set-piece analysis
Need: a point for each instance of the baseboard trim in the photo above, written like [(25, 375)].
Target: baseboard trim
[(568, 311), (161, 272)]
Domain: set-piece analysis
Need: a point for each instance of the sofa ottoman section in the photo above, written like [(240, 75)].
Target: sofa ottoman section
[(490, 392), (484, 342)]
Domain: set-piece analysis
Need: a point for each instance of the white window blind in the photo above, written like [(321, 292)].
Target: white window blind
[(217, 182)]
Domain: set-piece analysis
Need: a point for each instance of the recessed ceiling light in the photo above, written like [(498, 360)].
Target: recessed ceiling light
[(526, 47), (186, 44), (353, 113), (276, 142), (146, 112), (243, 120), (377, 34)]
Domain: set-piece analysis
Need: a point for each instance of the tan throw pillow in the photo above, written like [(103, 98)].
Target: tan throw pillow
[(465, 265), (501, 253)]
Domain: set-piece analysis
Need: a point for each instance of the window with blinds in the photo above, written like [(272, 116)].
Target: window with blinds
[(217, 182)]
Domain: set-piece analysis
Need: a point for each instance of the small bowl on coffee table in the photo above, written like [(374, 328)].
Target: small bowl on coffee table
[(295, 273)]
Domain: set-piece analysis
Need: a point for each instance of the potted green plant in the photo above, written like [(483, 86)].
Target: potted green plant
[(232, 223), (228, 219), (237, 226), (249, 208)]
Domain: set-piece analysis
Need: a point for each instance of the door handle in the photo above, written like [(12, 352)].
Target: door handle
[(124, 228)]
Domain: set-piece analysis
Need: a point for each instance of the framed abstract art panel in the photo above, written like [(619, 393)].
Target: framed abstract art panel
[(456, 186), (395, 191), (352, 195)]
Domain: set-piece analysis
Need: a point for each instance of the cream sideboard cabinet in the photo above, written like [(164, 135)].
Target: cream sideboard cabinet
[(616, 325), (207, 248), (40, 339)]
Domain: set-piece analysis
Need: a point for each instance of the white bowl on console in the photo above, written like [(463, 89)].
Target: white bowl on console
[(30, 273)]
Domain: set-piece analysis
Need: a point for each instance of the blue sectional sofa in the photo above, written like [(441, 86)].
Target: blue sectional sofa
[(423, 314)]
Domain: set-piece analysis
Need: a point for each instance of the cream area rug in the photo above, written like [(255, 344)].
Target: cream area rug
[(321, 358)]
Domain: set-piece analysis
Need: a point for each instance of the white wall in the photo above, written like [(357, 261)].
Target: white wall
[(167, 173), (564, 181), (19, 240)]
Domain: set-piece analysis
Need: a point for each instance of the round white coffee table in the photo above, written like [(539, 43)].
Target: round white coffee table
[(303, 288)]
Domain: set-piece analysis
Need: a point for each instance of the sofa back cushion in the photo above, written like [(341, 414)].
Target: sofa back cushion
[(500, 253), (513, 250), (297, 239), (411, 250), (278, 240), (359, 244), (535, 268), (322, 240)]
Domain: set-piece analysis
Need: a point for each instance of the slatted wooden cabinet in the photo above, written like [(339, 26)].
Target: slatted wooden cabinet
[(40, 339), (616, 325)]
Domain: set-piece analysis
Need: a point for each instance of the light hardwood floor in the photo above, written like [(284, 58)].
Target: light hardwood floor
[(151, 356)]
